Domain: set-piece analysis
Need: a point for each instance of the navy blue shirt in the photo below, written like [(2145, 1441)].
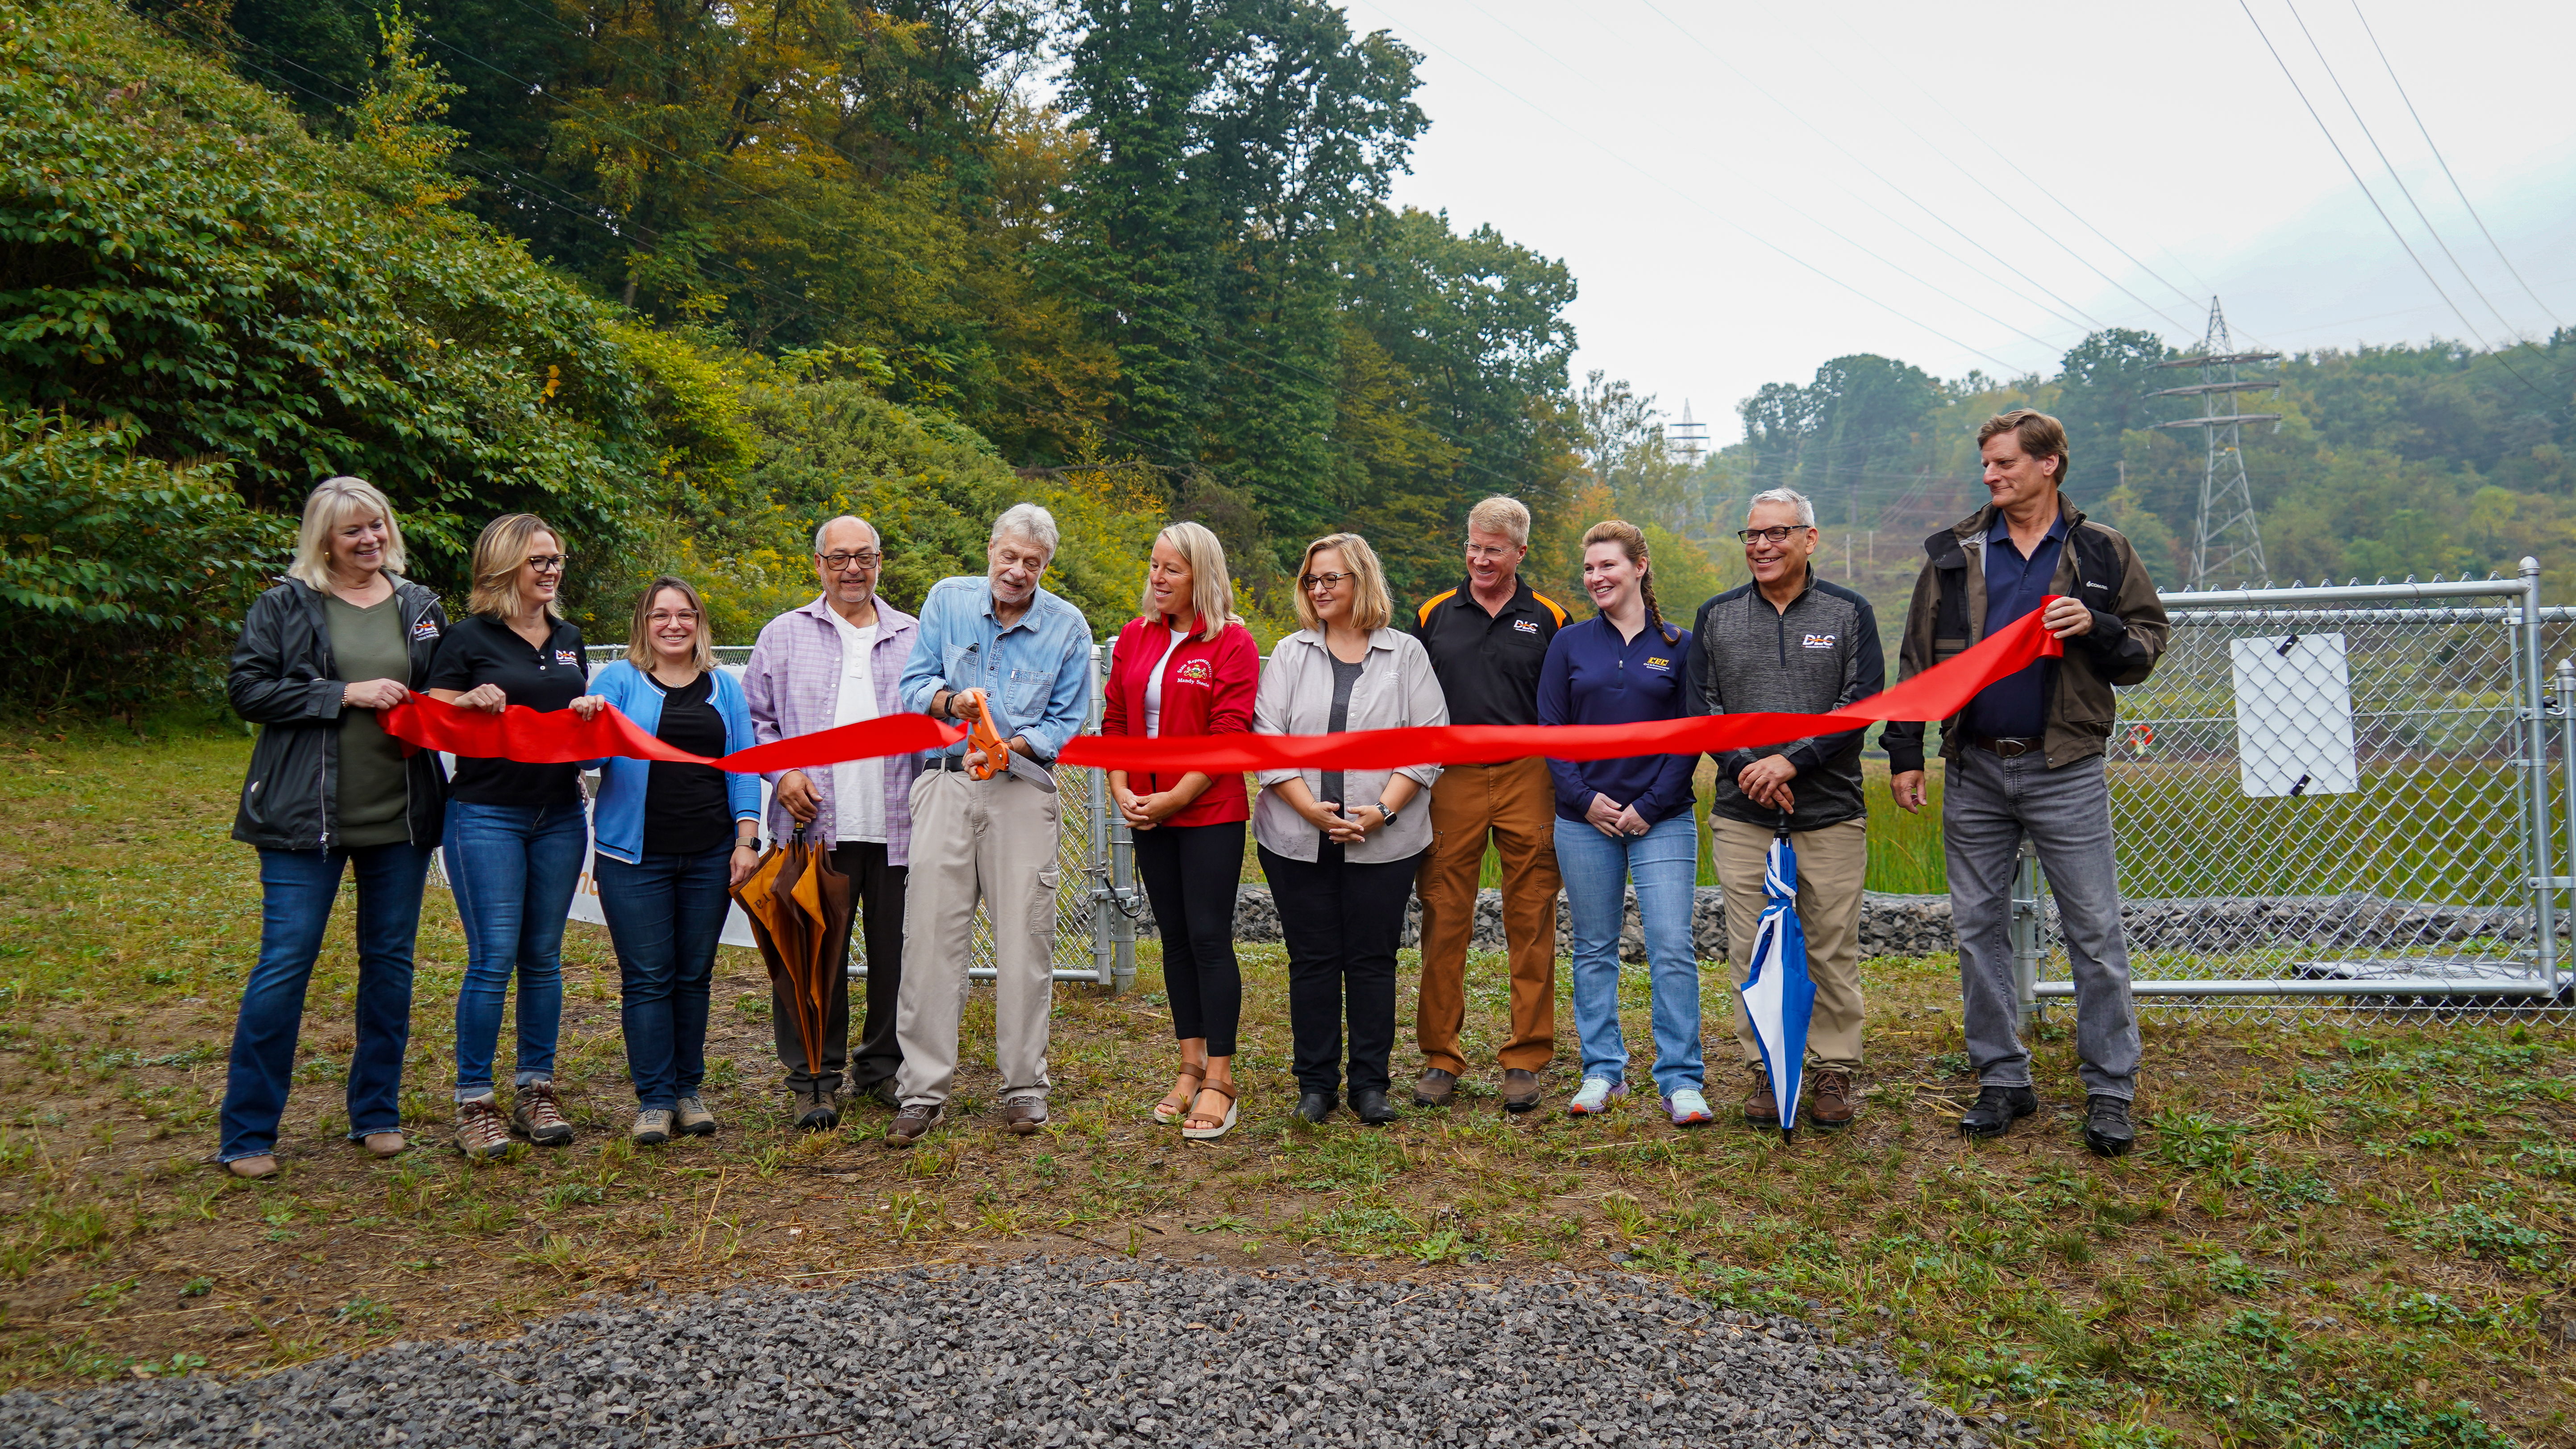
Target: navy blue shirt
[(1591, 677), (2016, 706)]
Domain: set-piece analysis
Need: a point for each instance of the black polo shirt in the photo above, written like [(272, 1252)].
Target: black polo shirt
[(480, 649), (1488, 664)]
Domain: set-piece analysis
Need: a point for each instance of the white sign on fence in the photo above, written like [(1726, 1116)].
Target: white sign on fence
[(2294, 731)]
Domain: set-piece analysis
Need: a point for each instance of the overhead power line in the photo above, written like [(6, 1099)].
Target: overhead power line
[(2402, 188), (2456, 188), (2387, 220)]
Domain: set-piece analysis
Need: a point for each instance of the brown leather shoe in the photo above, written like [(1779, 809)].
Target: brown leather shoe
[(1832, 1100), (1761, 1109), (1520, 1091), (1435, 1087), (1023, 1116), (911, 1124)]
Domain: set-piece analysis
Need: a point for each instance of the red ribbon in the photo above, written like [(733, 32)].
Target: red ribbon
[(1937, 693), (560, 737)]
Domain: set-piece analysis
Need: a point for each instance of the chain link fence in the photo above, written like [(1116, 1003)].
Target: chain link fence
[(2340, 799)]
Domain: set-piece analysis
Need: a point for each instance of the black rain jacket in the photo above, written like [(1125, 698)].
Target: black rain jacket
[(283, 679)]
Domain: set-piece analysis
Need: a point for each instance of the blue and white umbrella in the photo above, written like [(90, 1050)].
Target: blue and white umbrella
[(1779, 996)]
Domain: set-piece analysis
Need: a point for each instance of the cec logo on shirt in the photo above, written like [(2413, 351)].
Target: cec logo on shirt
[(1525, 626), (1820, 641), (1657, 662)]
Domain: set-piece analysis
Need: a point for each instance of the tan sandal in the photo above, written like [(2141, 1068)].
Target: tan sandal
[(1223, 1125), (1168, 1111)]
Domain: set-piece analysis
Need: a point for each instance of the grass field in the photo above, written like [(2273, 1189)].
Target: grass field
[(2329, 1236)]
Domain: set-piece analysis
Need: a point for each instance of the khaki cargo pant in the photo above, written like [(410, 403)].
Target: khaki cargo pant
[(1516, 804), (977, 840), (1832, 863)]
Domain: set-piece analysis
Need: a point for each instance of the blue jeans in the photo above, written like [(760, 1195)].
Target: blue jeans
[(1664, 863), (513, 868), (666, 914), (297, 888)]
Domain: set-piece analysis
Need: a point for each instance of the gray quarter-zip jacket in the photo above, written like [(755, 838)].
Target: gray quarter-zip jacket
[(1819, 654)]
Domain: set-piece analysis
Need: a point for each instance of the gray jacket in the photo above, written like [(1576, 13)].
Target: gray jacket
[(1396, 690), (1819, 654)]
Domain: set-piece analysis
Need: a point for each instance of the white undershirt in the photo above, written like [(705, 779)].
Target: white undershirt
[(858, 786), (1154, 685)]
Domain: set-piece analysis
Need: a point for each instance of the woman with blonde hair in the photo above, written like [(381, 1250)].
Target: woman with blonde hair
[(1340, 848), (515, 833), (1187, 666), (329, 792), (672, 841), (1626, 820)]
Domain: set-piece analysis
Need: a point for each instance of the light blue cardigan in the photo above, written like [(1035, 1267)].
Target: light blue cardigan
[(617, 816)]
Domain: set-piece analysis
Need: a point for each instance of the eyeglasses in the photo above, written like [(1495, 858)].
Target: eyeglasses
[(837, 562), (1776, 535), (549, 563), (1312, 582)]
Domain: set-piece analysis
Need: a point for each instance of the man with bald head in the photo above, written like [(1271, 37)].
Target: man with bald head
[(834, 662)]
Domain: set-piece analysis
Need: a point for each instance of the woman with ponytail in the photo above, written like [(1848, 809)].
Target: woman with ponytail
[(1626, 820)]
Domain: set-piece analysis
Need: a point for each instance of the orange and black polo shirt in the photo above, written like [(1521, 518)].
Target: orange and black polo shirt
[(1488, 664)]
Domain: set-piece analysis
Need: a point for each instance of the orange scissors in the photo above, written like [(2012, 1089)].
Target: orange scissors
[(981, 736)]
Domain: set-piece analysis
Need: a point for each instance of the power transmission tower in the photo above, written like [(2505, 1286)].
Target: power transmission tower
[(1688, 439), (2226, 542)]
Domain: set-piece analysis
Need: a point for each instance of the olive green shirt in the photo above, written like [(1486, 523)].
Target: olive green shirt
[(375, 795)]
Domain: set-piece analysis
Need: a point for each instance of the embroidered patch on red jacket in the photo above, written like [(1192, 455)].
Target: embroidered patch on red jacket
[(1196, 671)]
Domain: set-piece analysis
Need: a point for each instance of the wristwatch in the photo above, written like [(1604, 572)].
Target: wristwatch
[(1385, 814)]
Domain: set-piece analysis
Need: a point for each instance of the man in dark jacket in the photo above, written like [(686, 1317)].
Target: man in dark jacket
[(1790, 643), (2026, 756)]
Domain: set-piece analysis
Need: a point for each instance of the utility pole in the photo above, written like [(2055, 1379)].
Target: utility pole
[(2226, 542)]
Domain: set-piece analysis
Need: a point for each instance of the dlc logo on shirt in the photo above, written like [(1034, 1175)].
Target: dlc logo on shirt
[(1196, 671), (1820, 641), (566, 656), (1525, 626), (425, 629)]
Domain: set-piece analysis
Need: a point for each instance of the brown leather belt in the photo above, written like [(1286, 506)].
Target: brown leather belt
[(2007, 747)]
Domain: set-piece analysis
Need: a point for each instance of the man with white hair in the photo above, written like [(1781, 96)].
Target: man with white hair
[(1488, 639), (1003, 649), (833, 662), (1790, 643)]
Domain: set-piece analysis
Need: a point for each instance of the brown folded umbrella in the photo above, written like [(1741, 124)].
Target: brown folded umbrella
[(790, 935), (822, 894)]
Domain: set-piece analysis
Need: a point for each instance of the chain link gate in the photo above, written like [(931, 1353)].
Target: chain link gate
[(2340, 798)]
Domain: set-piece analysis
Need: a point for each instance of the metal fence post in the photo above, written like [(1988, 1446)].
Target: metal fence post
[(2027, 918), (2566, 778), (2544, 888)]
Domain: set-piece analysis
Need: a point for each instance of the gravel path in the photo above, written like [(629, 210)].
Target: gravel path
[(1069, 1353)]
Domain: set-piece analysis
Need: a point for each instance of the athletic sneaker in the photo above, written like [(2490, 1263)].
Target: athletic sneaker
[(694, 1118), (539, 1113), (480, 1129), (1688, 1108), (652, 1127), (1596, 1096)]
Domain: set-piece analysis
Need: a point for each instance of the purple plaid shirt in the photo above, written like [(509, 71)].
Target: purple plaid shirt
[(793, 683)]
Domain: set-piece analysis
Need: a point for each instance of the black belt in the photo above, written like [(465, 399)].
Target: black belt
[(2007, 746), (953, 763)]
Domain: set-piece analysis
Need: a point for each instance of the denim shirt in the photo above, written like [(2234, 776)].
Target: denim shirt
[(1038, 670)]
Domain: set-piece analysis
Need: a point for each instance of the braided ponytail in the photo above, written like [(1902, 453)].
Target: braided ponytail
[(1632, 542)]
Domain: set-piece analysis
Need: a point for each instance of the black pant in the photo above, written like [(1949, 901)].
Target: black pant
[(876, 896), (1190, 874), (1342, 923)]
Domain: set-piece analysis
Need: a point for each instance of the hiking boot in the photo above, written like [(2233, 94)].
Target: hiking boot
[(1997, 1109), (1023, 1116), (1761, 1108), (1520, 1091), (1832, 1101), (538, 1112), (692, 1117), (1435, 1087), (817, 1110), (2107, 1129), (911, 1124), (481, 1131), (652, 1127)]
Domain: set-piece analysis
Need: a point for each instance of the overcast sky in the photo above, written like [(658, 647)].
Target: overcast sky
[(1869, 202)]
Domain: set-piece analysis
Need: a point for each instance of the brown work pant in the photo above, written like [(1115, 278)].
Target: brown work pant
[(1516, 804), (1832, 864)]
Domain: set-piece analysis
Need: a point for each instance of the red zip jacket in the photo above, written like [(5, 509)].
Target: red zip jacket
[(1207, 690)]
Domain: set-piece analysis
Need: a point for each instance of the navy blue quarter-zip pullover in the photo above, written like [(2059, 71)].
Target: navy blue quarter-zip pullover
[(1593, 677)]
